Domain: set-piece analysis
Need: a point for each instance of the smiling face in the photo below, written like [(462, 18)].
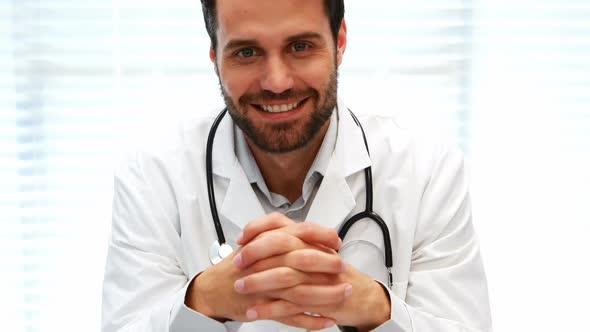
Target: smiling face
[(277, 66)]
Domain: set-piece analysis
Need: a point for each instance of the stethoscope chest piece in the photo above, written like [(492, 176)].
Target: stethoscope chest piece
[(217, 252)]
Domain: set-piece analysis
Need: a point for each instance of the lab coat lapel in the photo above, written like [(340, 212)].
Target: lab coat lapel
[(240, 204), (335, 199)]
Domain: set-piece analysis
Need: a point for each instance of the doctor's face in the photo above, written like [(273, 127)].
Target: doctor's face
[(277, 65)]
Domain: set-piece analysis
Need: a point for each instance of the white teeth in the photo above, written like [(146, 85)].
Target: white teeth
[(279, 108)]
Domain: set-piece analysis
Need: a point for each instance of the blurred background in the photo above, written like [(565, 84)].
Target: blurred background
[(84, 81)]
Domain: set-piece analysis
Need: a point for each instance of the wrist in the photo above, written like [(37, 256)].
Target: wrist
[(196, 297), (379, 307)]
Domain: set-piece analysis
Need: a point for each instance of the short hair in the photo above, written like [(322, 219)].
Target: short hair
[(334, 9)]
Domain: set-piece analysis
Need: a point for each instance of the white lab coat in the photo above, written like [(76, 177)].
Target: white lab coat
[(162, 228)]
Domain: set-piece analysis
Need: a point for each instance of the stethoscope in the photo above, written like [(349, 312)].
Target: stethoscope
[(220, 249)]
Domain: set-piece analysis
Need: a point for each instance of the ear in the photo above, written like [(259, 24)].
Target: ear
[(213, 58), (212, 55), (341, 44)]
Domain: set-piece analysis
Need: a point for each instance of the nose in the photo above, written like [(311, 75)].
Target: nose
[(277, 76)]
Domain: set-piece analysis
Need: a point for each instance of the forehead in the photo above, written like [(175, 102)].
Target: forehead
[(253, 19)]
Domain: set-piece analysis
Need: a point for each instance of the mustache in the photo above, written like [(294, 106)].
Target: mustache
[(268, 96)]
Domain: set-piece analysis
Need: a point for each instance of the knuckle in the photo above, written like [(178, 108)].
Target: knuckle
[(275, 216), (265, 311), (300, 296), (275, 309), (288, 241), (306, 227), (286, 277), (250, 285), (337, 263), (277, 239), (307, 259)]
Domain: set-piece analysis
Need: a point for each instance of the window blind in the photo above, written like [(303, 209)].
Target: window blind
[(85, 81), (90, 79), (57, 148), (411, 59), (531, 159)]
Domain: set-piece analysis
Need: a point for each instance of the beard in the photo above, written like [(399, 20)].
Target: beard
[(285, 136)]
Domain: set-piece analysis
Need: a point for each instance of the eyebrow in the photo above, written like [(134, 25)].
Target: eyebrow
[(237, 43), (305, 35)]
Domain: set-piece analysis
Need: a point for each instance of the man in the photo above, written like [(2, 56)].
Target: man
[(291, 152)]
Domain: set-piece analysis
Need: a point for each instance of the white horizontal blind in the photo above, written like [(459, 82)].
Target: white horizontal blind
[(162, 59), (89, 79), (82, 80), (411, 59), (531, 160), (11, 286), (56, 149)]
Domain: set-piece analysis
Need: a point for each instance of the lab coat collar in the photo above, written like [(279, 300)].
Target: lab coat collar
[(334, 199), (240, 204), (350, 152)]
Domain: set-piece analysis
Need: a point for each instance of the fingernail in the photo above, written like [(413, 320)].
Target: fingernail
[(339, 243), (240, 236), (251, 314), (348, 291), (239, 285), (238, 260), (329, 324), (343, 266)]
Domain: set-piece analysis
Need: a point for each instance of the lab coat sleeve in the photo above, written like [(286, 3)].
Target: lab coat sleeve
[(447, 288), (144, 286)]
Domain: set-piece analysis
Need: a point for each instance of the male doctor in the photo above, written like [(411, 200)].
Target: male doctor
[(291, 152)]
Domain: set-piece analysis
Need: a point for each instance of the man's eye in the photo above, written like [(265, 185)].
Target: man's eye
[(299, 47), (247, 52)]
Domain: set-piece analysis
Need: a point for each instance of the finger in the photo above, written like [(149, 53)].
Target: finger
[(274, 310), (306, 231), (282, 311), (306, 260), (314, 233), (314, 295), (277, 243), (308, 322), (269, 222), (278, 278), (311, 260)]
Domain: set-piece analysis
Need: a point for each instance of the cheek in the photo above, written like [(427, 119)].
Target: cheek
[(316, 73), (236, 82)]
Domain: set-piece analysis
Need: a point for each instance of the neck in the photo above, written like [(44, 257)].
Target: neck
[(284, 173)]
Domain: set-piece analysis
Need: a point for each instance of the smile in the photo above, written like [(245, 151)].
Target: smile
[(280, 108)]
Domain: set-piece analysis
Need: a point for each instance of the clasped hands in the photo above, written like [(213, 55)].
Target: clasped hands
[(291, 273)]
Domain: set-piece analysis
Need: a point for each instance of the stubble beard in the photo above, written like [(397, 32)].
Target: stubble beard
[(287, 136)]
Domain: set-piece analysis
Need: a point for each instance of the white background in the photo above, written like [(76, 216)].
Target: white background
[(507, 81)]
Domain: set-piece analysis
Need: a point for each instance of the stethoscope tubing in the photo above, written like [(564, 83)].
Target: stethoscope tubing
[(209, 171), (367, 213)]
